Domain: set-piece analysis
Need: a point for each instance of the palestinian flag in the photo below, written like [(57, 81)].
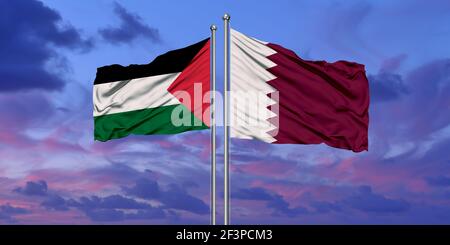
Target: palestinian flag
[(302, 102), (162, 97)]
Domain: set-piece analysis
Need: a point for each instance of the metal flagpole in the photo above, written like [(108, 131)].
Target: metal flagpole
[(226, 199), (213, 125)]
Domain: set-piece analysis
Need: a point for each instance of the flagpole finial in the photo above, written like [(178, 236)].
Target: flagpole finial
[(213, 27), (226, 17)]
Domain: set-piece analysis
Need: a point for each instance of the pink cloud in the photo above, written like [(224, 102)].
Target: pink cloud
[(368, 171), (262, 168), (80, 182)]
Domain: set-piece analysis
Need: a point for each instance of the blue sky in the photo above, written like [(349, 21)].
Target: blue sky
[(51, 170)]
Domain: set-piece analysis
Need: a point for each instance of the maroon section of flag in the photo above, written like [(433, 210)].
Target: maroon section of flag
[(320, 102)]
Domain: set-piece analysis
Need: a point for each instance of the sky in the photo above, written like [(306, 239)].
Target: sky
[(52, 171)]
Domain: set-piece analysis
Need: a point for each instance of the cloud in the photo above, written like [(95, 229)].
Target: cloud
[(417, 108), (325, 207), (178, 198), (31, 188), (341, 27), (348, 201), (149, 213), (55, 202), (130, 29), (439, 181), (108, 202), (428, 109), (274, 201), (10, 210), (251, 146), (118, 207), (105, 215), (7, 212), (30, 30), (115, 173), (174, 197), (255, 193), (144, 188), (271, 166), (110, 208), (386, 87), (281, 207), (392, 64), (106, 209), (367, 201), (22, 110)]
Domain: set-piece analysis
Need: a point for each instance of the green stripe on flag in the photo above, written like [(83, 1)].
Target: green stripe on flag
[(142, 122)]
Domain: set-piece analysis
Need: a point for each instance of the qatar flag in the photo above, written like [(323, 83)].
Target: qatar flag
[(302, 102)]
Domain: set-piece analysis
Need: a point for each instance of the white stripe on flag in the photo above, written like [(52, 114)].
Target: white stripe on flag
[(134, 94), (249, 87)]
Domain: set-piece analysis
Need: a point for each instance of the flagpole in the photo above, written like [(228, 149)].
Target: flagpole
[(213, 125), (226, 199)]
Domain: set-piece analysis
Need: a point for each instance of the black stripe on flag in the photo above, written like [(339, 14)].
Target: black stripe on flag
[(171, 62)]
